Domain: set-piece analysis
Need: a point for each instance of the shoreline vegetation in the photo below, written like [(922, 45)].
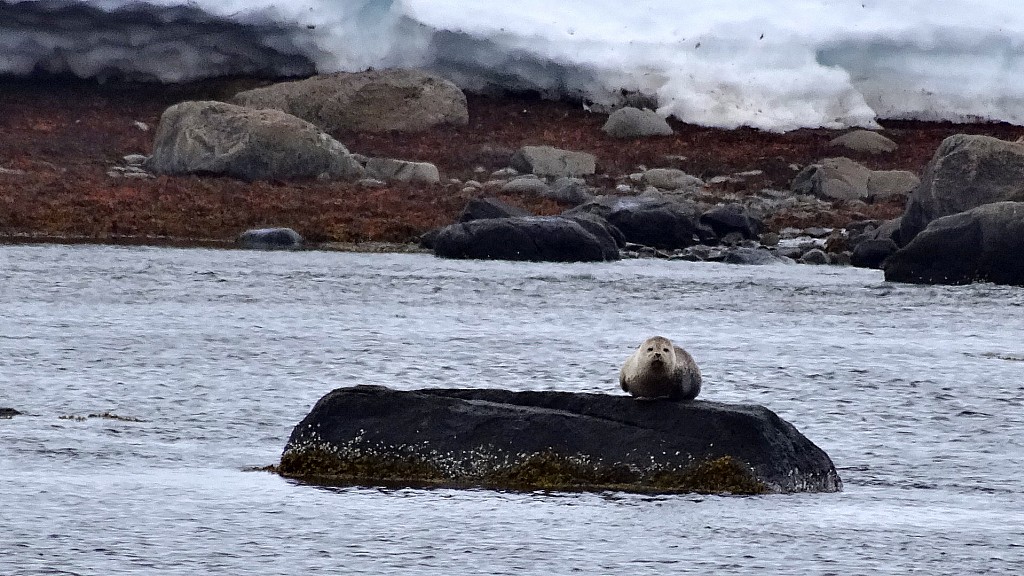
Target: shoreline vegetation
[(61, 138)]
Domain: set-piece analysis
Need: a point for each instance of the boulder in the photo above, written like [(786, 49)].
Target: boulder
[(871, 253), (884, 184), (8, 413), (671, 179), (965, 172), (402, 170), (632, 122), (864, 141), (372, 101), (269, 239), (570, 191), (727, 218), (534, 238), (553, 440), (983, 244), (833, 178), (815, 256), (550, 161), (217, 138), (754, 256), (649, 220), (486, 208), (599, 227)]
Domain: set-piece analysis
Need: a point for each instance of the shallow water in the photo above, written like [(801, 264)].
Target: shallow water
[(916, 393)]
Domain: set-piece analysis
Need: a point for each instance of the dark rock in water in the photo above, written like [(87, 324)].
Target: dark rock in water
[(485, 208), (980, 245), (270, 239), (599, 226), (8, 412), (730, 218), (815, 256), (754, 256), (871, 253), (560, 440), (535, 238), (649, 220)]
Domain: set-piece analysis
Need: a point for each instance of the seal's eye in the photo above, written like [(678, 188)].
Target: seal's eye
[(664, 349), (651, 349)]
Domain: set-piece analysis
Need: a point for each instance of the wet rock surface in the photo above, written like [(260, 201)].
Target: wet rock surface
[(472, 436)]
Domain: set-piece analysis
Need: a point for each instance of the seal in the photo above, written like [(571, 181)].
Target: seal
[(660, 369)]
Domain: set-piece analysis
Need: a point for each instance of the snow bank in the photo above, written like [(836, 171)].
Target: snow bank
[(770, 64)]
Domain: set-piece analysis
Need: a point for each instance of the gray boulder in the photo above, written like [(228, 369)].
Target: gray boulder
[(570, 191), (533, 238), (218, 138), (833, 178), (269, 239), (487, 208), (402, 170), (632, 122), (884, 184), (864, 141), (649, 220), (983, 244), (553, 440), (843, 179), (551, 161), (965, 172), (372, 101)]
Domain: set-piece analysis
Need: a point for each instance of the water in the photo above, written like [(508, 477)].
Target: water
[(916, 393)]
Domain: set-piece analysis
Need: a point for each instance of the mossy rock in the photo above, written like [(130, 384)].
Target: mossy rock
[(323, 464)]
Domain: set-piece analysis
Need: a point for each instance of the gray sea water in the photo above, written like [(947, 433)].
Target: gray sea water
[(209, 357)]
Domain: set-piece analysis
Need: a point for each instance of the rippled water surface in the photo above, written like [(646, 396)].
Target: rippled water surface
[(210, 357)]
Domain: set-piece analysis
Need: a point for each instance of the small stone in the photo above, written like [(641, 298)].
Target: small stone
[(135, 159), (504, 173)]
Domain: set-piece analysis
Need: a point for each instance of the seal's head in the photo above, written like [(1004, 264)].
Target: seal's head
[(659, 352)]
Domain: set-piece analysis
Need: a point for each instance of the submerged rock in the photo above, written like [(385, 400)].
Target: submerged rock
[(554, 440), (8, 413)]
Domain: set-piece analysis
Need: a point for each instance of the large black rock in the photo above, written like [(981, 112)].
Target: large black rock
[(469, 433), (535, 238), (984, 244), (652, 220)]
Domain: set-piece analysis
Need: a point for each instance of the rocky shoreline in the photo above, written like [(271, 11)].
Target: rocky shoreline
[(94, 163)]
